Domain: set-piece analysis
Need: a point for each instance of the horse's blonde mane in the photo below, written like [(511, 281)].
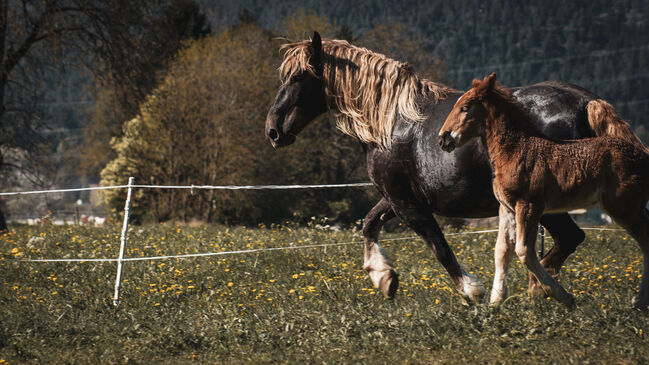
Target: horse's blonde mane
[(367, 89)]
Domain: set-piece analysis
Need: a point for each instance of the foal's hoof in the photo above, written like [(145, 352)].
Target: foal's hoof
[(497, 298), (639, 304), (535, 289), (567, 299)]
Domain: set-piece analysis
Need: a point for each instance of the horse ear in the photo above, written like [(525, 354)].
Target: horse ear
[(485, 86), (316, 48), (491, 81)]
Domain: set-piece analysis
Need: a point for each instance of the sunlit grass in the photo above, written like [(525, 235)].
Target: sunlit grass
[(307, 305)]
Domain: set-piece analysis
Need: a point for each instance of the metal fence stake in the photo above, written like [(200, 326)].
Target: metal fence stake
[(123, 238), (542, 245)]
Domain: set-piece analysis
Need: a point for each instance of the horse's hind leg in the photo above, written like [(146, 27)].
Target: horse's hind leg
[(567, 236), (377, 264), (637, 225), (503, 253), (527, 220)]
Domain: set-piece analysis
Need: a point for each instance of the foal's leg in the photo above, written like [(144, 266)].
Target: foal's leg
[(377, 264), (421, 221), (527, 220), (637, 225), (567, 236), (503, 253)]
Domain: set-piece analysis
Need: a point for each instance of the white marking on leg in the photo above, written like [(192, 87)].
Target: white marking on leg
[(378, 267), (641, 301), (503, 253)]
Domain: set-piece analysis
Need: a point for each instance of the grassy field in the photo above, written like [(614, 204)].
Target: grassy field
[(301, 306)]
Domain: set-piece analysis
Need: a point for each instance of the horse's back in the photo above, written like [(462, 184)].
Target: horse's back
[(557, 108)]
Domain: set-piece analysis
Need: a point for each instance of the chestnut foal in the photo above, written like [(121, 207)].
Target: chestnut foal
[(533, 175)]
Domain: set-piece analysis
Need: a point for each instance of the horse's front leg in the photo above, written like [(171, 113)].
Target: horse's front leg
[(377, 264), (422, 222), (503, 253), (567, 236), (527, 220)]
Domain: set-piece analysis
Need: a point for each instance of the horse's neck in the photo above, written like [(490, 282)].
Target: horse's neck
[(507, 130)]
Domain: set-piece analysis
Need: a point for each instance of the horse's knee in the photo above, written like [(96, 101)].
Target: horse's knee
[(524, 255), (375, 218)]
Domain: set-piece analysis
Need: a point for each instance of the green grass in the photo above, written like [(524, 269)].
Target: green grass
[(301, 306)]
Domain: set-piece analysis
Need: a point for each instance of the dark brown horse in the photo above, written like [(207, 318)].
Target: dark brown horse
[(534, 175), (397, 116)]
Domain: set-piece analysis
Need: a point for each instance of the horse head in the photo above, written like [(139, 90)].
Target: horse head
[(466, 119), (300, 100)]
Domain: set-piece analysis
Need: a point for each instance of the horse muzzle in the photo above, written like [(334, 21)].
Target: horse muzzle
[(279, 139), (447, 142)]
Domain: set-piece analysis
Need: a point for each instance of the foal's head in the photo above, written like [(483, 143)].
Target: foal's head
[(467, 119)]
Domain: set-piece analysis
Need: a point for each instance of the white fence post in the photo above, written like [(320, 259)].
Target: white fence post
[(127, 208)]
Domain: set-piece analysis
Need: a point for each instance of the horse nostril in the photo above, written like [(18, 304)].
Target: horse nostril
[(273, 134), (443, 138), (446, 142)]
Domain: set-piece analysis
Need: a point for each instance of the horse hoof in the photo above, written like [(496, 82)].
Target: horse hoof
[(535, 289), (390, 284), (496, 303), (568, 300), (639, 304), (465, 301), (471, 299), (471, 289), (386, 281), (497, 298)]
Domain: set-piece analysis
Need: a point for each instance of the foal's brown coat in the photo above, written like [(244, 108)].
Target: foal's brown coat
[(533, 175)]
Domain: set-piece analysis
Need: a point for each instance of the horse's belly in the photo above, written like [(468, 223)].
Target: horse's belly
[(572, 200)]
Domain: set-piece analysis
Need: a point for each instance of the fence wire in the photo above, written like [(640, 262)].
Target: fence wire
[(124, 236)]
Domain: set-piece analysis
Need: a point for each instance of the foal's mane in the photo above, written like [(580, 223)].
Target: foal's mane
[(516, 117), (368, 89)]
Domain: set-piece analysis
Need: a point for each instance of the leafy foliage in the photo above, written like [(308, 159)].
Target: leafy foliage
[(297, 306)]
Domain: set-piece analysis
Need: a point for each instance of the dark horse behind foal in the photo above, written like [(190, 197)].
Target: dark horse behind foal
[(534, 174), (397, 116)]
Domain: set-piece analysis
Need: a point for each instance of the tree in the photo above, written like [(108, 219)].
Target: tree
[(301, 24), (32, 33), (195, 127), (128, 66), (397, 41)]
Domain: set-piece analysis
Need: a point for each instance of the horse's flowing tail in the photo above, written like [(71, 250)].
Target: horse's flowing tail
[(605, 121)]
